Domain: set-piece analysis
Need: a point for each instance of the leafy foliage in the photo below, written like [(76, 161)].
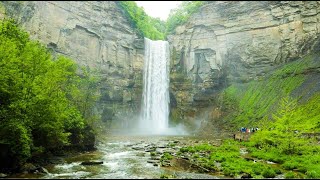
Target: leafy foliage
[(181, 14), (285, 121), (253, 104), (228, 154), (152, 28), (41, 100)]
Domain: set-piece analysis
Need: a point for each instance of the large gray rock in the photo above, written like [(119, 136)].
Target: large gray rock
[(230, 42), (248, 37)]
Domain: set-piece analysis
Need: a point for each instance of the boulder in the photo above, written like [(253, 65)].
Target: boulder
[(28, 167)]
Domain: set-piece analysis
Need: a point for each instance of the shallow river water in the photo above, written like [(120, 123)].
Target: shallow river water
[(124, 157)]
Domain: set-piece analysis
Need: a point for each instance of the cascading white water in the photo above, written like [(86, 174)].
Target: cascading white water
[(155, 97)]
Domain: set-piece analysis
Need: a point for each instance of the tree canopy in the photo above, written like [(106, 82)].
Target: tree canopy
[(147, 26), (42, 100), (154, 28), (181, 14)]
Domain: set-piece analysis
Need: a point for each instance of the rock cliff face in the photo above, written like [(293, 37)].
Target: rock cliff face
[(97, 35), (234, 42), (225, 42)]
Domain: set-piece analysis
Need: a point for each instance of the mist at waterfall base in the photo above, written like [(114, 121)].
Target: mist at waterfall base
[(154, 116)]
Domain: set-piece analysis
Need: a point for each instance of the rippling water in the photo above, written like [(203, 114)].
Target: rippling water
[(120, 161)]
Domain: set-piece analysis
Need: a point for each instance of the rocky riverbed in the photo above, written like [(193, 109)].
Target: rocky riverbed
[(129, 157)]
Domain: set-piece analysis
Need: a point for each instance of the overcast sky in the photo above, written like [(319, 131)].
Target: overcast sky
[(159, 9)]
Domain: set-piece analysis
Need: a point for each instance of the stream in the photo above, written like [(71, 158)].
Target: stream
[(124, 157)]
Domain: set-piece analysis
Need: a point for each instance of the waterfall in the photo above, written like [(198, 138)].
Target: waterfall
[(155, 97)]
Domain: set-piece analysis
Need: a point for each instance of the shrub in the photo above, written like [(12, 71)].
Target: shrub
[(257, 168), (290, 165), (268, 173), (313, 174), (228, 172), (277, 171), (289, 175), (166, 156)]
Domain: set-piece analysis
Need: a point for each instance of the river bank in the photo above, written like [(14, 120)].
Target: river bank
[(177, 157), (123, 157)]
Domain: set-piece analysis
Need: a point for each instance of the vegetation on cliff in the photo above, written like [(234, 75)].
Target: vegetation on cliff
[(181, 14), (285, 105), (154, 28), (44, 103), (254, 104)]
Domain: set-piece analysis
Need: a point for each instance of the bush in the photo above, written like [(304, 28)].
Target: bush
[(268, 173), (257, 168), (277, 171), (290, 175), (166, 156), (290, 165), (302, 169), (228, 172), (313, 174)]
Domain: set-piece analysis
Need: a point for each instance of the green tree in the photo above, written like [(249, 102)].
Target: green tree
[(182, 13), (146, 26), (43, 101)]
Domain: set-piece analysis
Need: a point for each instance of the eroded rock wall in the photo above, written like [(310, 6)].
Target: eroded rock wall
[(98, 36), (234, 42)]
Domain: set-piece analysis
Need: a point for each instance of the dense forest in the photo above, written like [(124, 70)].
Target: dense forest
[(46, 102)]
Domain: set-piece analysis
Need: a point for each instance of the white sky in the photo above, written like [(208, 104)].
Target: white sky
[(159, 9)]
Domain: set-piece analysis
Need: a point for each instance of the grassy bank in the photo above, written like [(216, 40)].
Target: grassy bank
[(285, 105)]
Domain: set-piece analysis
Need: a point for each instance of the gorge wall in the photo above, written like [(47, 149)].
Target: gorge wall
[(98, 36), (226, 42), (230, 42)]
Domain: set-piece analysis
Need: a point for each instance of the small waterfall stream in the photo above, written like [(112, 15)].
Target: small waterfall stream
[(155, 97)]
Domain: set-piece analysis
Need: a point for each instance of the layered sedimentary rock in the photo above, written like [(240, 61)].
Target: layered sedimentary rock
[(98, 36), (225, 42), (234, 42)]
